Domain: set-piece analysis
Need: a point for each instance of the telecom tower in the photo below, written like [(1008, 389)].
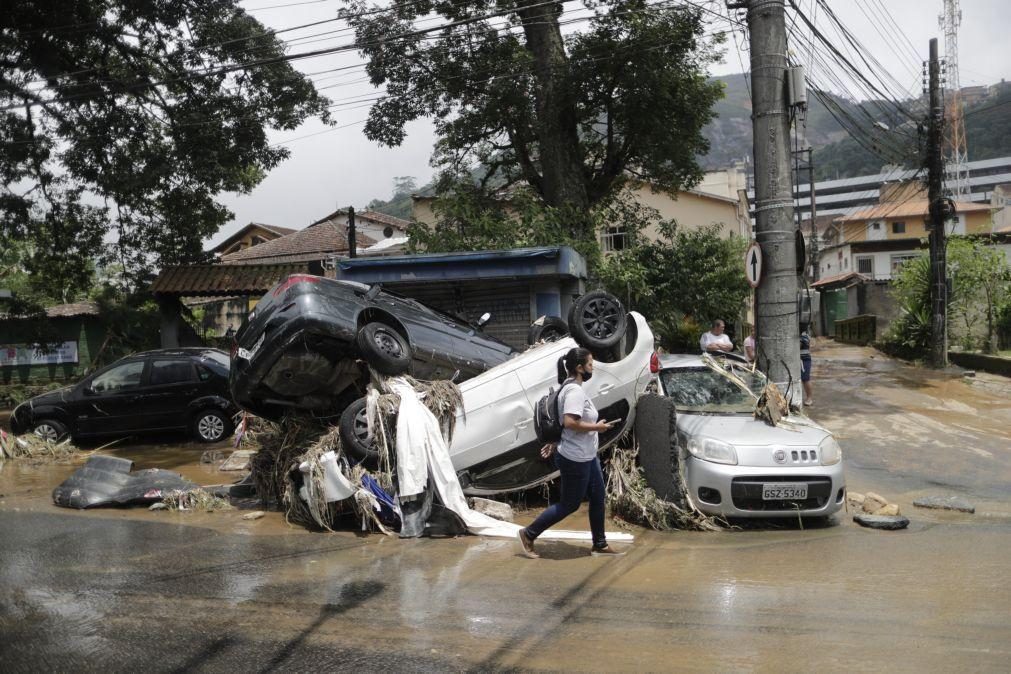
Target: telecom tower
[(957, 169)]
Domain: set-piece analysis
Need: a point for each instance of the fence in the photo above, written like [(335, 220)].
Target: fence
[(861, 330)]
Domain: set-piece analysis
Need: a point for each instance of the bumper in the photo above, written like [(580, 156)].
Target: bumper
[(21, 420), (736, 491)]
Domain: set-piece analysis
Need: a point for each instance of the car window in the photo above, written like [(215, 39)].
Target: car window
[(121, 377), (705, 390), (203, 373), (170, 372), (216, 360)]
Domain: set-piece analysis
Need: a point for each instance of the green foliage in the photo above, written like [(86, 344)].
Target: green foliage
[(399, 205), (122, 121), (909, 336), (981, 285), (569, 117), (682, 281), (132, 323)]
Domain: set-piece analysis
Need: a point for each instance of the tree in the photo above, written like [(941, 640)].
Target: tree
[(400, 204), (573, 117), (680, 282), (981, 284), (121, 121)]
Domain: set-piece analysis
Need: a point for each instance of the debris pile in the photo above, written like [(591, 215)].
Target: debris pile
[(875, 511), (31, 446), (194, 499)]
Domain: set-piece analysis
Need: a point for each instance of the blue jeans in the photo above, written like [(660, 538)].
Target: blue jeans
[(579, 479)]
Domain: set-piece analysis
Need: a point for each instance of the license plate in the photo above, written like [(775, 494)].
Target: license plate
[(789, 491), (248, 355)]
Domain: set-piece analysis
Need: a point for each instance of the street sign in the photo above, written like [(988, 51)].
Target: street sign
[(753, 264)]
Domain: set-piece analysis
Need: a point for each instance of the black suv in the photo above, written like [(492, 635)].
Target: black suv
[(163, 390), (298, 351)]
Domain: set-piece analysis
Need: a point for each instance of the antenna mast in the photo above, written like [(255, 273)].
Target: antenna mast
[(957, 169)]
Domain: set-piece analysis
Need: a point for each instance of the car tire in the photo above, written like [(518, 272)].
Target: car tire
[(597, 320), (50, 429), (384, 348), (353, 430), (547, 329), (211, 425)]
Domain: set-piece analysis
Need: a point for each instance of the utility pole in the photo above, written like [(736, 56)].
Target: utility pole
[(813, 253), (778, 351), (938, 213), (352, 234)]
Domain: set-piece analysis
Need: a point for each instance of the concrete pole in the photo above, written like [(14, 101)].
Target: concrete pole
[(776, 296), (935, 187)]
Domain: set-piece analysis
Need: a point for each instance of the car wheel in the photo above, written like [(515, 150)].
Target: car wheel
[(354, 433), (597, 320), (50, 430), (211, 425), (547, 329), (384, 348)]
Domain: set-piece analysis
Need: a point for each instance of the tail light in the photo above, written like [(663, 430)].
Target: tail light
[(654, 363), (235, 348)]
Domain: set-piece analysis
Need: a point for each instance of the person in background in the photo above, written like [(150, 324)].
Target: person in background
[(715, 341), (805, 363), (576, 457), (749, 345)]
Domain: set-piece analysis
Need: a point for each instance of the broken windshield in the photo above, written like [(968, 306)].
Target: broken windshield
[(705, 391)]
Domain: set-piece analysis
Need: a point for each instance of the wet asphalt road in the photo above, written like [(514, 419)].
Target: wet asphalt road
[(123, 590)]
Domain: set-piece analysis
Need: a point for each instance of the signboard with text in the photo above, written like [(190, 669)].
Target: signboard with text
[(35, 354)]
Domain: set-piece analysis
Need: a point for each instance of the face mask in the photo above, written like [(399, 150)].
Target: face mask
[(587, 375)]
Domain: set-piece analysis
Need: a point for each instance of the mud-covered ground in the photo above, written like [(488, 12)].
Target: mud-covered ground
[(121, 589)]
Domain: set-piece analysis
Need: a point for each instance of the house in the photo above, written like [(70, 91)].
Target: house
[(312, 245), (251, 235), (876, 241), (373, 224)]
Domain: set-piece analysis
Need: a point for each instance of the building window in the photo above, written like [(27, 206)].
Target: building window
[(898, 260), (388, 232), (865, 265), (898, 228), (614, 239), (876, 226)]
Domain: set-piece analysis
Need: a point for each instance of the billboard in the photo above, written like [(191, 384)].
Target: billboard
[(37, 354)]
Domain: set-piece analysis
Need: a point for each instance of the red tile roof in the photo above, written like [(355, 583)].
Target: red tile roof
[(76, 309), (375, 216), (313, 243), (222, 279), (840, 278), (277, 231)]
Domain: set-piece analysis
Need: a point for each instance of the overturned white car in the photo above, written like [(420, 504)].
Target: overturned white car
[(495, 448)]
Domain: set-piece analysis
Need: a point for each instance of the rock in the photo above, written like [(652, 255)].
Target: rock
[(890, 510), (212, 455), (496, 509), (238, 460), (254, 515), (855, 499), (945, 503), (874, 502), (969, 373), (888, 523), (158, 506)]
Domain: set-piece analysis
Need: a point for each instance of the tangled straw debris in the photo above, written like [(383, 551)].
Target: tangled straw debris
[(31, 446), (195, 499)]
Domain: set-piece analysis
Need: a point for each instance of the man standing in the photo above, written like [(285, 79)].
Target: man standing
[(715, 341)]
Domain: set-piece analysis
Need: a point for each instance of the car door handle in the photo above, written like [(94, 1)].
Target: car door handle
[(606, 388)]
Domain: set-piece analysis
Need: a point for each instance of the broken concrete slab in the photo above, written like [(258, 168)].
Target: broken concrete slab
[(254, 515), (885, 522), (855, 500), (890, 510), (945, 503), (874, 502), (496, 509), (161, 505), (212, 456), (238, 460)]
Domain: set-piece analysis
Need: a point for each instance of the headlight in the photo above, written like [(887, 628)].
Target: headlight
[(829, 451), (712, 450)]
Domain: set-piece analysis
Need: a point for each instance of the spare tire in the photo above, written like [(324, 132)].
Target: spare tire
[(547, 329), (354, 433), (597, 320), (385, 349)]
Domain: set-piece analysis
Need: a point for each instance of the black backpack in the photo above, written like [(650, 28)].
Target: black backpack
[(547, 417)]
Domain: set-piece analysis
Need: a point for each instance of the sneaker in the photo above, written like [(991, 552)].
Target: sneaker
[(808, 403), (526, 544), (606, 551)]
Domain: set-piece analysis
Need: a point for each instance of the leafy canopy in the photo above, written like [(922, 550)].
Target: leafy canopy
[(121, 121), (572, 117)]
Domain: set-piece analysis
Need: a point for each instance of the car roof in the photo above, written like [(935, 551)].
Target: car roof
[(179, 352)]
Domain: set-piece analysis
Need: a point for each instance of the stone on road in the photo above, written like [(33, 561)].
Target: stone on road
[(945, 503), (886, 522)]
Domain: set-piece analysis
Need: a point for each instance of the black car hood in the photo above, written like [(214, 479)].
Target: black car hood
[(111, 481), (51, 397)]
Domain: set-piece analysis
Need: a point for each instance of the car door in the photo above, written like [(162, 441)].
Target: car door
[(108, 398), (164, 399)]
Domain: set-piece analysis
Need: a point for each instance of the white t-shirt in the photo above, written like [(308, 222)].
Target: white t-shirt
[(748, 341), (709, 338), (576, 445)]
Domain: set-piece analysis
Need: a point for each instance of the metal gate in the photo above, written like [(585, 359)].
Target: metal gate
[(835, 309)]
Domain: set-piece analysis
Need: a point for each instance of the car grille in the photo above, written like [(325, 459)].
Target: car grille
[(746, 493)]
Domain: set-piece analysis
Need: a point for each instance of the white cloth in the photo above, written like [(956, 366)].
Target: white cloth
[(577, 445), (421, 450), (709, 338)]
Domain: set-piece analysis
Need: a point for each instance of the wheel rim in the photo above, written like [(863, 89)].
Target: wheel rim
[(552, 335), (388, 343), (600, 318), (211, 427), (361, 428), (47, 432)]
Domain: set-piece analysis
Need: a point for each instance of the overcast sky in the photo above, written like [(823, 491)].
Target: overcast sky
[(331, 168)]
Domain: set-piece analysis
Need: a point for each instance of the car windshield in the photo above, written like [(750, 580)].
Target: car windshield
[(703, 390), (218, 357)]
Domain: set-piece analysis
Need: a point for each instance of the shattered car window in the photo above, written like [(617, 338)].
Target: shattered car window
[(704, 390)]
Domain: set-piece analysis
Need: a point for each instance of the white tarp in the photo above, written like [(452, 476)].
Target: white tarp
[(422, 451)]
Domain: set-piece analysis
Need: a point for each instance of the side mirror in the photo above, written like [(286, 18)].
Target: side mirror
[(87, 390), (373, 292), (485, 317)]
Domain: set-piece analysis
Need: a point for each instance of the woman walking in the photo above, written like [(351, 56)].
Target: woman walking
[(576, 457)]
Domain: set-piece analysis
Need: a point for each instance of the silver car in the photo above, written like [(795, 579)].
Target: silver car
[(739, 466)]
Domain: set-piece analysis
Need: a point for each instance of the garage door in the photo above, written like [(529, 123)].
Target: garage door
[(508, 302)]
